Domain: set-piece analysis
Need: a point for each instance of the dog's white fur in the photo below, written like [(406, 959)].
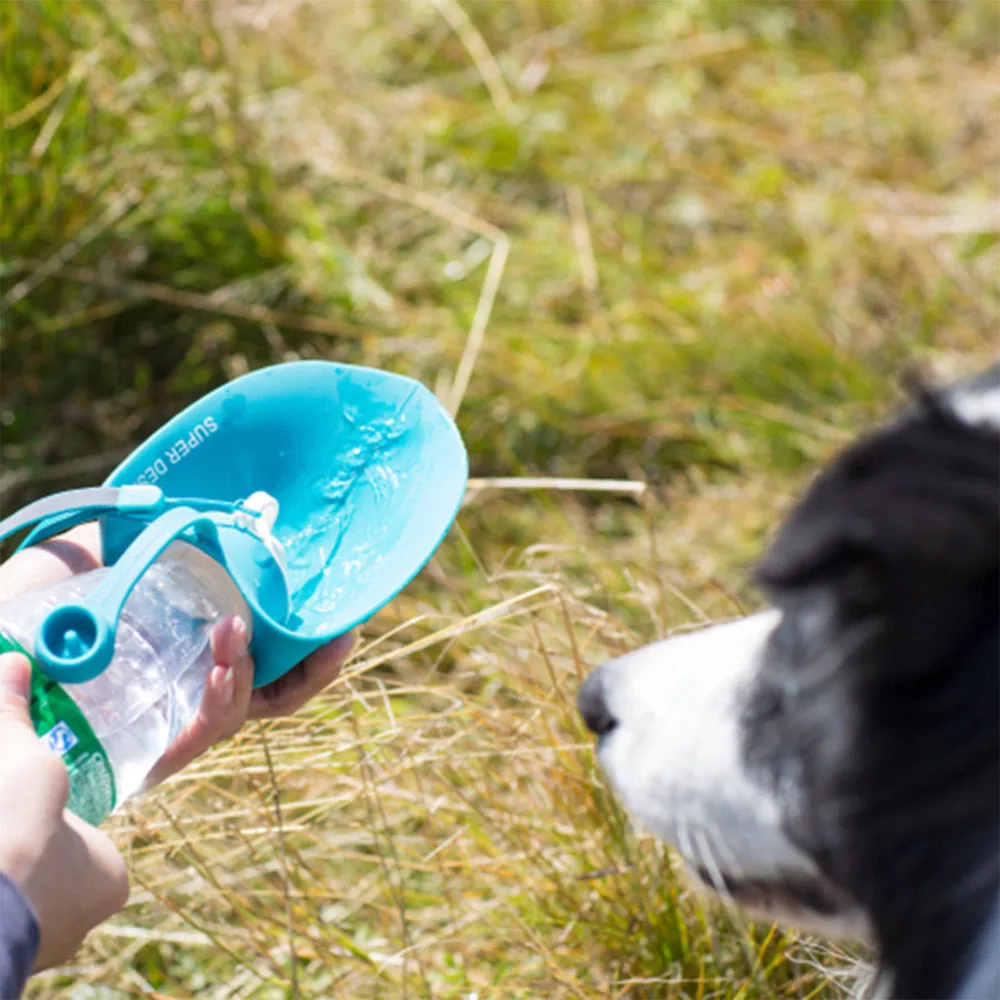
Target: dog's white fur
[(674, 759), (982, 408)]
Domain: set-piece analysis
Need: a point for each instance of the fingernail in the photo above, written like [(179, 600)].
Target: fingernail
[(226, 685), (240, 645), (15, 674)]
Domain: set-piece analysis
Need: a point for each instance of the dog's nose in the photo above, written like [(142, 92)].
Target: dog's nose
[(594, 707)]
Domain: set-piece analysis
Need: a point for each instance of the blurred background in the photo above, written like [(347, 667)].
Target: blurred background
[(685, 246)]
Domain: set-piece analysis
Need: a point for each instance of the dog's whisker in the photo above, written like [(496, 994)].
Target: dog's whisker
[(706, 861), (726, 856), (684, 843)]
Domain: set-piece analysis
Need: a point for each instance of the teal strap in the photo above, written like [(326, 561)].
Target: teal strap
[(62, 511), (76, 642)]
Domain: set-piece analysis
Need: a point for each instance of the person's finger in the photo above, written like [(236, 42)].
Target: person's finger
[(289, 693), (224, 707), (224, 704), (75, 551), (15, 688)]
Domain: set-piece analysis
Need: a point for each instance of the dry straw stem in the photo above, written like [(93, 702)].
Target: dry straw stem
[(703, 47), (456, 216), (623, 486), (517, 605), (489, 70), (197, 301), (62, 99), (56, 264), (51, 93), (582, 239), (86, 467)]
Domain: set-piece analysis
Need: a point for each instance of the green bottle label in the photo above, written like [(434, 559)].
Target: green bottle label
[(64, 730)]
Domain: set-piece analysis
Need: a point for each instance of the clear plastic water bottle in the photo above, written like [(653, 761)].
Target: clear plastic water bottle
[(111, 730)]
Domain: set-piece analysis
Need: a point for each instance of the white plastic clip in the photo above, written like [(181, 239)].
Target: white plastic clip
[(263, 525)]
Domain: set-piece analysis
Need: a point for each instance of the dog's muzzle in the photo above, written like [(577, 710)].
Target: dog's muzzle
[(593, 705)]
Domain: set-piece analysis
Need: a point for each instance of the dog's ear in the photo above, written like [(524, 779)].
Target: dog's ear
[(924, 491), (908, 518)]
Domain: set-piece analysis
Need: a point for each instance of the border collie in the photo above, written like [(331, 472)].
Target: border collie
[(834, 762)]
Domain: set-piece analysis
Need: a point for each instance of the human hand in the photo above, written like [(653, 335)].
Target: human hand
[(229, 700), (69, 872)]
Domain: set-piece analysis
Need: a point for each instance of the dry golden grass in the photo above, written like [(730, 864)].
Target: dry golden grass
[(435, 825), (686, 244)]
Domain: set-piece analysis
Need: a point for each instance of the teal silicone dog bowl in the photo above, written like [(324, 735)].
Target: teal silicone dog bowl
[(368, 471)]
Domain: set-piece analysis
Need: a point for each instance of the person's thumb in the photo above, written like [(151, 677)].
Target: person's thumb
[(15, 688)]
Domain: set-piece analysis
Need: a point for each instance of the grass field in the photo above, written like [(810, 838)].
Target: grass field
[(687, 244)]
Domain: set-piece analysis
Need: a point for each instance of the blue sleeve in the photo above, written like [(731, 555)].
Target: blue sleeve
[(983, 979), (18, 939)]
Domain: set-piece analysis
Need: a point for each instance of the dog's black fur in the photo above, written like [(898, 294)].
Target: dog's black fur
[(835, 760), (881, 687)]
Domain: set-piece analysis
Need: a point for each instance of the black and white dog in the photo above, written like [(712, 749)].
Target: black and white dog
[(835, 761)]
